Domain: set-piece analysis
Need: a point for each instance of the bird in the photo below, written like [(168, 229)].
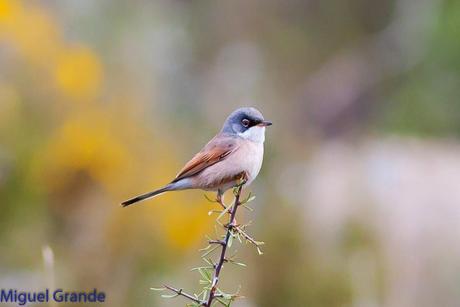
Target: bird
[(234, 156)]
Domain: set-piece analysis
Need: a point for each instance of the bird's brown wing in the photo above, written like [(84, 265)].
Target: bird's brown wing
[(215, 151)]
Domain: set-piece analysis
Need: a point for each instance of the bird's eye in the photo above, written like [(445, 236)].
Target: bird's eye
[(245, 122)]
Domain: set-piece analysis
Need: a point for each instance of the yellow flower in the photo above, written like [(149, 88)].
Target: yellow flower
[(78, 73), (29, 30), (7, 9), (85, 142)]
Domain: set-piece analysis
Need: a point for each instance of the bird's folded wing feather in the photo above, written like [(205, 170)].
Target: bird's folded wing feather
[(215, 151)]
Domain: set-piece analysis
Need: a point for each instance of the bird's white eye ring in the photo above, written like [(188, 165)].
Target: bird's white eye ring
[(245, 122)]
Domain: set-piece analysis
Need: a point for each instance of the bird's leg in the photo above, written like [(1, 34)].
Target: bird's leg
[(220, 199), (242, 179)]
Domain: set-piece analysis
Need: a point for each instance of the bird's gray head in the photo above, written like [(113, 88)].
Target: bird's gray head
[(247, 123)]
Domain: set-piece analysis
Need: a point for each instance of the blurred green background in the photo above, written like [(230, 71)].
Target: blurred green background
[(358, 200)]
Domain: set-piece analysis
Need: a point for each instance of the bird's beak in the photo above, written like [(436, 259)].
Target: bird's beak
[(265, 123)]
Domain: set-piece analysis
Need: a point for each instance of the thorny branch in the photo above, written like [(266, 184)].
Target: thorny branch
[(220, 264), (181, 292), (210, 273)]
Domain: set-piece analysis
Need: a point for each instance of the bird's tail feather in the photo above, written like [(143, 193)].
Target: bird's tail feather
[(145, 196)]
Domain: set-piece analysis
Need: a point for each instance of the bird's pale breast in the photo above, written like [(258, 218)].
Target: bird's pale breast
[(246, 158)]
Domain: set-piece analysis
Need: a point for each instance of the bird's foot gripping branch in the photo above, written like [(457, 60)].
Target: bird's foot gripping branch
[(215, 256)]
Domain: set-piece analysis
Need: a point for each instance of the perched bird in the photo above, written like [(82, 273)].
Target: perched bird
[(234, 154)]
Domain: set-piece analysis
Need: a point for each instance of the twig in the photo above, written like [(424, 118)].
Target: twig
[(184, 294), (220, 263), (218, 247), (247, 237), (216, 242)]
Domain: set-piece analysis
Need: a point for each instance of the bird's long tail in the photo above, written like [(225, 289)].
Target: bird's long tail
[(146, 196)]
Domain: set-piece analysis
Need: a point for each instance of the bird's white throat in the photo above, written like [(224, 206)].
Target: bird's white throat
[(254, 134)]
